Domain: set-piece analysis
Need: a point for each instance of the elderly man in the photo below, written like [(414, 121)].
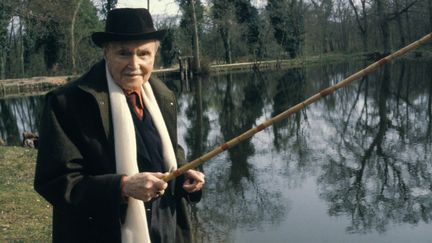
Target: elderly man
[(108, 139)]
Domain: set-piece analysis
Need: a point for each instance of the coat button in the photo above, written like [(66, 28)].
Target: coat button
[(171, 103), (101, 103)]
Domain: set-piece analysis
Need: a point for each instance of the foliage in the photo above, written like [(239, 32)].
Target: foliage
[(6, 14), (36, 37), (238, 24), (186, 26), (39, 35), (88, 22), (286, 18), (223, 15), (167, 50), (248, 15)]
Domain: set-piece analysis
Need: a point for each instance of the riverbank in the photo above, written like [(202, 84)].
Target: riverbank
[(31, 86), (24, 215)]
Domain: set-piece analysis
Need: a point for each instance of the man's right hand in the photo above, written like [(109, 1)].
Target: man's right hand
[(144, 186)]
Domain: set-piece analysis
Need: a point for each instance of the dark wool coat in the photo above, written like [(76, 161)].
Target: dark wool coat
[(76, 169)]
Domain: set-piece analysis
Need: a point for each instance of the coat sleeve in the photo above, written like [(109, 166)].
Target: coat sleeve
[(62, 176)]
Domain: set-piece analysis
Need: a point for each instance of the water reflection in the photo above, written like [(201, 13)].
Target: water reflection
[(240, 114), (233, 198), (366, 148), (290, 90), (18, 115), (198, 130), (381, 171)]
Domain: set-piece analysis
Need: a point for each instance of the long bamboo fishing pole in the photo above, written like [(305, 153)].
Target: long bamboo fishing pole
[(251, 132)]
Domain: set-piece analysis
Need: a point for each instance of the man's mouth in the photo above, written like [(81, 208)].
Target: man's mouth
[(133, 74)]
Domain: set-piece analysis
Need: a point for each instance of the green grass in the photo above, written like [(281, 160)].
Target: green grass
[(24, 215)]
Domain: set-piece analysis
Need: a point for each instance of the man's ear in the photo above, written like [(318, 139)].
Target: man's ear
[(157, 45), (105, 47)]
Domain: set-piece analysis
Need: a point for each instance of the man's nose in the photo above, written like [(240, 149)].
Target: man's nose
[(133, 62)]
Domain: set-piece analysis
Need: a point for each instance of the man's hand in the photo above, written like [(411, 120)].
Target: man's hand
[(144, 186), (194, 181)]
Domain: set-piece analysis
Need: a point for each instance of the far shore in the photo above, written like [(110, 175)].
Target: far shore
[(36, 85)]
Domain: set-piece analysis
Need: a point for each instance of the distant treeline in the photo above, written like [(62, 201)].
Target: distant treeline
[(52, 37)]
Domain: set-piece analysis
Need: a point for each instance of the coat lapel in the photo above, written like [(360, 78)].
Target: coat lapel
[(167, 105), (96, 85)]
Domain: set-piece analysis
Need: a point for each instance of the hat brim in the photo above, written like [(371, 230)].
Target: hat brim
[(99, 38)]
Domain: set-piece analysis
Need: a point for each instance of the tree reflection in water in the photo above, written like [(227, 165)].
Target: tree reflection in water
[(234, 197), (377, 177), (18, 115), (290, 134), (238, 116), (290, 91), (197, 132)]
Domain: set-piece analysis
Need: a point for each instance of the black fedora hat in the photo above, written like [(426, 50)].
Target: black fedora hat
[(126, 24)]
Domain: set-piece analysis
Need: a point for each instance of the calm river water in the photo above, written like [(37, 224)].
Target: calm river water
[(354, 167)]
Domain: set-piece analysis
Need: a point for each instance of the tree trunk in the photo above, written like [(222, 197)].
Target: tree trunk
[(2, 65), (324, 39), (226, 39), (399, 24), (196, 64), (408, 21), (384, 25), (72, 40), (21, 47), (10, 43), (365, 26), (430, 14)]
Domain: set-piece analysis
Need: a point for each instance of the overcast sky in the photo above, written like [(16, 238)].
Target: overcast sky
[(163, 7), (170, 7)]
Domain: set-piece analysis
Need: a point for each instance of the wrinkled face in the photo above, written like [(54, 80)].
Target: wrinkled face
[(130, 63)]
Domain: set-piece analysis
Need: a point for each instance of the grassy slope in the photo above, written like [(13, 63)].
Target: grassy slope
[(24, 215)]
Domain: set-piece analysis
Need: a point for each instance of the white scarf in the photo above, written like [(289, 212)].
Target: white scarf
[(135, 229)]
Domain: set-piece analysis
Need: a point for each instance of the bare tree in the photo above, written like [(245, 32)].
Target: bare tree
[(430, 14), (399, 23), (384, 24), (223, 14), (362, 22), (324, 9), (196, 52), (72, 36)]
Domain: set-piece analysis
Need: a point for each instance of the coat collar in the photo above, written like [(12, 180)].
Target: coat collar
[(94, 83)]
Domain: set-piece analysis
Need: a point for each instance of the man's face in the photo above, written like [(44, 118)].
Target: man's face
[(130, 63)]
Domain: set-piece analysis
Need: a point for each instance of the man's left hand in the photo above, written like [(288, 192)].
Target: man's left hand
[(194, 181)]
